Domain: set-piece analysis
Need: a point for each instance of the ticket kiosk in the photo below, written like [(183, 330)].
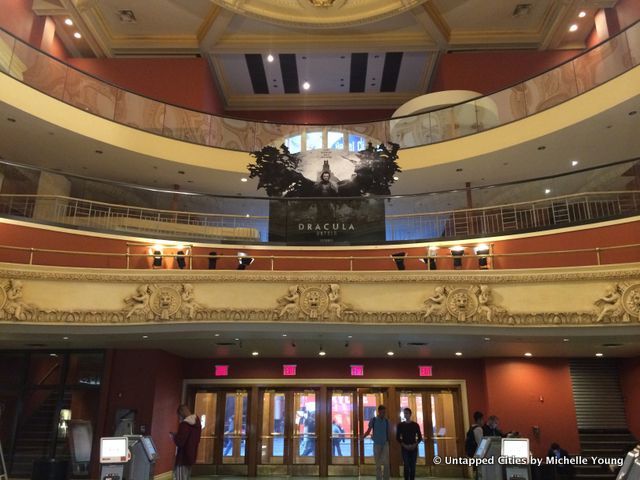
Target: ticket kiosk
[(114, 455), (131, 457), (516, 456), (630, 469), (489, 448)]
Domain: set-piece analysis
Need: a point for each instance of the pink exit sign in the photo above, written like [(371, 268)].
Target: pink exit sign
[(221, 370), (357, 370), (289, 370), (425, 370)]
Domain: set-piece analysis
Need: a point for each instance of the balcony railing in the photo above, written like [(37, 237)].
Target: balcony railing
[(447, 225), (568, 80)]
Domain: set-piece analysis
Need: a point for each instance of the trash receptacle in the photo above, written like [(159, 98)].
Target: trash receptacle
[(50, 469)]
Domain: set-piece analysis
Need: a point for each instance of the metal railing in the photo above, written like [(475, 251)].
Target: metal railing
[(214, 227), (49, 75), (376, 261)]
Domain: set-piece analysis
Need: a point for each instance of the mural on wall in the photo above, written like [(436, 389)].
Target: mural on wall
[(326, 196)]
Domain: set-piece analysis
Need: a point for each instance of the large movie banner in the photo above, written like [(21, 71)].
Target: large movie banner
[(326, 196)]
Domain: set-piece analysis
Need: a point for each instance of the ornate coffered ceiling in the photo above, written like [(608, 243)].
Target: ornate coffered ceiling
[(340, 38)]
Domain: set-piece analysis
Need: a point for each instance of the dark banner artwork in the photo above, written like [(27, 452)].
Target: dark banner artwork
[(326, 196)]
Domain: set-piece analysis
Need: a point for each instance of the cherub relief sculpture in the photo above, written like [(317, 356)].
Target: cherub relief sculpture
[(13, 305), (436, 304), (189, 306), (335, 306), (485, 303), (140, 301), (289, 303)]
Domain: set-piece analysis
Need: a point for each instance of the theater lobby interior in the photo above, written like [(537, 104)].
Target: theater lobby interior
[(284, 214)]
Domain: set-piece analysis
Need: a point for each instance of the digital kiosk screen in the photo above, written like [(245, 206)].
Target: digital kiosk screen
[(114, 450), (149, 448), (515, 447), (481, 451)]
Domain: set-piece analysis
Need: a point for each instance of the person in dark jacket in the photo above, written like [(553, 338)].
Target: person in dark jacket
[(490, 429), (409, 435), (186, 439)]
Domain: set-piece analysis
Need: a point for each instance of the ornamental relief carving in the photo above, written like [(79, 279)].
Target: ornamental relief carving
[(445, 305)]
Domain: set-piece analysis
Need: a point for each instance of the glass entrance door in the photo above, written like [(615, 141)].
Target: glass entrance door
[(235, 427), (413, 401), (205, 408), (368, 402), (304, 436)]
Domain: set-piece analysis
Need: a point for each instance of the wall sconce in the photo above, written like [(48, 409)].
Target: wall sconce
[(457, 253), (156, 251), (213, 260), (244, 261), (483, 256), (180, 259), (398, 259), (430, 259)]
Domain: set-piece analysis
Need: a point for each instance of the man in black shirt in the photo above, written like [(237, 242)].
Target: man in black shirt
[(490, 429), (409, 435)]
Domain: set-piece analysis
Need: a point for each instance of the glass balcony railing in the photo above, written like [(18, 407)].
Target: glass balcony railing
[(586, 196), (568, 80)]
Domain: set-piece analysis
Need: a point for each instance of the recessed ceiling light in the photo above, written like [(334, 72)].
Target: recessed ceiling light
[(284, 334), (349, 336), (458, 354), (565, 339), (396, 178), (306, 85), (391, 354), (216, 334), (547, 191), (574, 163), (269, 58), (486, 339), (255, 354), (145, 336), (244, 179), (237, 339), (528, 354), (53, 354), (573, 28), (582, 14), (65, 338), (68, 21), (322, 353), (599, 354), (247, 215), (77, 35)]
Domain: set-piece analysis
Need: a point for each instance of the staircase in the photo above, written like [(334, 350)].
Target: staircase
[(34, 436), (600, 411), (602, 443)]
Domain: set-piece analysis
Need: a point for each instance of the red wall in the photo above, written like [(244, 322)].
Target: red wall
[(149, 381), (488, 72), (524, 393), (186, 82), (17, 17), (628, 12), (630, 384)]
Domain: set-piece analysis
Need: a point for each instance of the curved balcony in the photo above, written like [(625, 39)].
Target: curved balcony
[(587, 196), (568, 80)]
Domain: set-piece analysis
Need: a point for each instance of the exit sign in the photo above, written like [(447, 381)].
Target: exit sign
[(289, 370), (357, 370), (425, 370), (221, 371)]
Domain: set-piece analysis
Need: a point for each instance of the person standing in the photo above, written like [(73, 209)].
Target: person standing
[(380, 427), (337, 435), (186, 439), (409, 436), (490, 429)]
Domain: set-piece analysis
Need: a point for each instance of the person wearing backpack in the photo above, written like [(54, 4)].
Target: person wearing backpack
[(381, 428), (474, 435)]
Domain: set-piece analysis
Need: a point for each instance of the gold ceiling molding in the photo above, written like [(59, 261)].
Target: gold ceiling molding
[(208, 21), (319, 14), (437, 18)]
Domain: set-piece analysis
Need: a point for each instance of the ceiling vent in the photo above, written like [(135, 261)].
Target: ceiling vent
[(127, 16), (522, 9)]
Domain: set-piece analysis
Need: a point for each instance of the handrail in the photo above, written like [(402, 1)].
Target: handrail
[(597, 251), (625, 60), (485, 221)]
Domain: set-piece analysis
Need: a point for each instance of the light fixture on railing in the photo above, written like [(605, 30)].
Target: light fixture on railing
[(430, 259), (213, 260), (482, 251), (156, 251), (244, 261), (457, 252), (180, 259), (398, 259)]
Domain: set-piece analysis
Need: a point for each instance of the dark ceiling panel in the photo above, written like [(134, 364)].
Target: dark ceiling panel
[(390, 72), (289, 70), (257, 73), (358, 75)]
